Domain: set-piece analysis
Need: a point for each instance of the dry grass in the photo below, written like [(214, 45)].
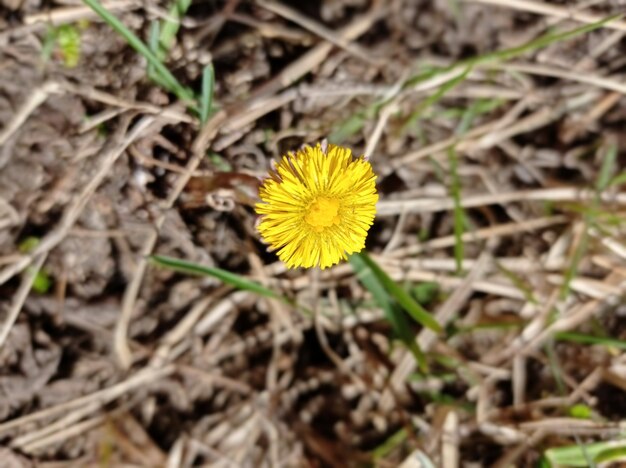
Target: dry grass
[(502, 211)]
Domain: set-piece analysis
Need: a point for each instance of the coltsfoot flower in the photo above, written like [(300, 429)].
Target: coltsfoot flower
[(317, 205)]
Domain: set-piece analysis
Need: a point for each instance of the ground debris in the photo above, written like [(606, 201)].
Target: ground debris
[(501, 211)]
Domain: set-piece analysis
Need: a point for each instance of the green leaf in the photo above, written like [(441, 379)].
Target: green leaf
[(41, 282), (227, 277), (580, 411), (68, 38), (399, 294), (28, 244)]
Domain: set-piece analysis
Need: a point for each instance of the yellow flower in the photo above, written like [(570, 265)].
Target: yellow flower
[(317, 206)]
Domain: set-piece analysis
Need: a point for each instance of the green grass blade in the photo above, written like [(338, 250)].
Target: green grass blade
[(153, 42), (613, 454), (572, 269), (555, 366), (435, 97), (519, 283), (389, 445), (171, 25), (513, 52), (539, 43), (425, 292), (476, 109), (206, 99), (346, 129), (393, 314), (399, 294), (590, 213), (355, 123), (154, 47), (582, 338), (618, 179), (607, 168), (172, 83), (579, 455), (227, 277), (459, 219), (49, 41)]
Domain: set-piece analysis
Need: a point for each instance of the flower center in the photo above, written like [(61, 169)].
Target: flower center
[(322, 213)]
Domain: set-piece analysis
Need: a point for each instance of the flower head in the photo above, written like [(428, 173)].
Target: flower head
[(317, 205)]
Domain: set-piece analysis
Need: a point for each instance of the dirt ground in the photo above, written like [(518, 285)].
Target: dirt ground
[(498, 142)]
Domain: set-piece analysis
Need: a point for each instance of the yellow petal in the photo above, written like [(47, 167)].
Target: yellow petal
[(317, 206)]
